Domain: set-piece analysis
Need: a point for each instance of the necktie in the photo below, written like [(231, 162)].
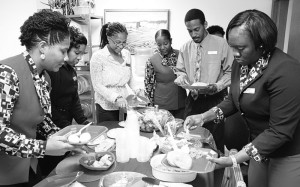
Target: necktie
[(197, 70)]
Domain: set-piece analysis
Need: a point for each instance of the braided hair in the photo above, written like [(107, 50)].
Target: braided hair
[(76, 38), (46, 25), (109, 29)]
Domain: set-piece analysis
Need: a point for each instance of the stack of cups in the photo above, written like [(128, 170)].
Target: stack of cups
[(145, 151), (122, 149)]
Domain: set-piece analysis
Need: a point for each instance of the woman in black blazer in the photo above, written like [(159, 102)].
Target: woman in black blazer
[(265, 90)]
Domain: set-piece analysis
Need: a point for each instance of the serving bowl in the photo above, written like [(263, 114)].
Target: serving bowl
[(87, 161), (122, 179), (167, 174)]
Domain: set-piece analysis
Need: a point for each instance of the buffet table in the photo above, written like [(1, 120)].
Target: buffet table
[(212, 179)]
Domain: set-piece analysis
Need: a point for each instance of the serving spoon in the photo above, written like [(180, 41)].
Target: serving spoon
[(84, 127)]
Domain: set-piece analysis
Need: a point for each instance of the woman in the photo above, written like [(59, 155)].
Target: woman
[(25, 108), (159, 77), (110, 71), (65, 102), (265, 90)]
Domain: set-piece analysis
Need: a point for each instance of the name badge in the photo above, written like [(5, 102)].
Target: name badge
[(250, 90), (212, 52)]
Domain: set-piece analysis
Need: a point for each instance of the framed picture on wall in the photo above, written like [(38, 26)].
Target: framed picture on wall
[(141, 25)]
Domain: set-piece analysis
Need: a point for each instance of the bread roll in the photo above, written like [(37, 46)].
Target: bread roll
[(180, 159)]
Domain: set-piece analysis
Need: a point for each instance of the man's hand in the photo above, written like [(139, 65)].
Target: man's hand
[(211, 89), (181, 81)]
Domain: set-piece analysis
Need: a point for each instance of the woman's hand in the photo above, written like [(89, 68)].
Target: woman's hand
[(221, 162), (58, 145), (121, 103), (192, 121)]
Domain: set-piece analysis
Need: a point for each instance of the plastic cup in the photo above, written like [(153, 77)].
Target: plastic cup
[(122, 153), (145, 151)]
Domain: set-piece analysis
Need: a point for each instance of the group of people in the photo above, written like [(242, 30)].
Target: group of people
[(262, 81)]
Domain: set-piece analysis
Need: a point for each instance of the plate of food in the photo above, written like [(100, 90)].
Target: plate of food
[(153, 119), (89, 133), (166, 144), (98, 161), (102, 144), (79, 139), (195, 160), (196, 86)]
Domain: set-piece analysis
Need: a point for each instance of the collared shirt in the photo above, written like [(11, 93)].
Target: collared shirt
[(216, 61), (109, 77), (11, 142), (64, 92)]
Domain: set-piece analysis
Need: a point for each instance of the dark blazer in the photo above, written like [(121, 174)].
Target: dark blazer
[(270, 105)]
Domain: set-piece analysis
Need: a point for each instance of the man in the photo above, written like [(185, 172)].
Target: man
[(216, 30), (206, 58)]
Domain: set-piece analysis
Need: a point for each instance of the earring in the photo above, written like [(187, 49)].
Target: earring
[(43, 56)]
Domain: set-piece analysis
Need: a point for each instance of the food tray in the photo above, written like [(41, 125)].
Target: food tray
[(199, 165), (94, 130)]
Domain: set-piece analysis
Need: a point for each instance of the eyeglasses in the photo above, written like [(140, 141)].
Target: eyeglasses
[(118, 44)]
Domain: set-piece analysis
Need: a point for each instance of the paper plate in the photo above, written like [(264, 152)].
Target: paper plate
[(189, 87), (112, 133)]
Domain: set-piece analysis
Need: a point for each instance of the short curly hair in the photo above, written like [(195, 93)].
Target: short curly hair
[(46, 25), (76, 38), (195, 14), (215, 29)]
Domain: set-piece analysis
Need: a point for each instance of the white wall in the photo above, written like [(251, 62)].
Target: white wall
[(14, 12), (217, 12)]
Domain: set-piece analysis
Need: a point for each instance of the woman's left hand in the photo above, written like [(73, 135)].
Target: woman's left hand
[(221, 162)]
